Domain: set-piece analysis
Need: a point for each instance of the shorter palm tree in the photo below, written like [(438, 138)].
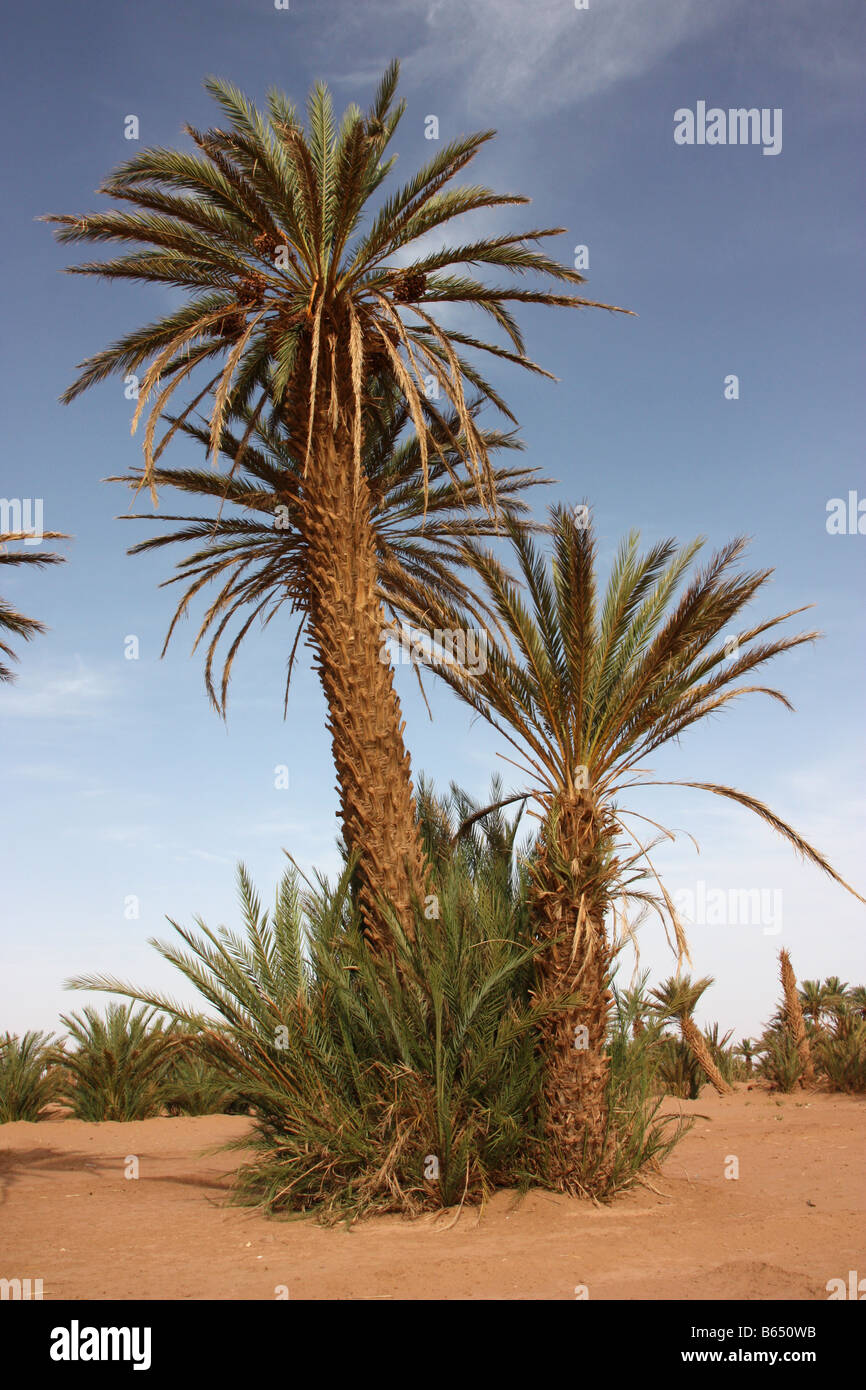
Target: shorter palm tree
[(676, 999), (11, 621), (586, 688)]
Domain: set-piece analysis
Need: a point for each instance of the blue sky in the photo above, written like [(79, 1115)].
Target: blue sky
[(118, 778)]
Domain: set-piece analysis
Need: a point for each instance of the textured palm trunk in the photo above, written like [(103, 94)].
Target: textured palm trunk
[(346, 621), (568, 909), (794, 1018), (695, 1040)]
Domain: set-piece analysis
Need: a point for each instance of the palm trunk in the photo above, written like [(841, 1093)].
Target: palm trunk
[(568, 909), (794, 1019), (346, 621), (695, 1040)]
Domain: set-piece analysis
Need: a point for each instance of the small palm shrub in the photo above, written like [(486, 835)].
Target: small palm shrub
[(636, 1047), (781, 1063), (722, 1053), (679, 1072), (376, 1084), (119, 1066), (29, 1078), (193, 1086), (842, 1054)]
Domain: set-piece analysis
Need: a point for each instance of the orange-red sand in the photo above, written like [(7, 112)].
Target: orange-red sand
[(795, 1218)]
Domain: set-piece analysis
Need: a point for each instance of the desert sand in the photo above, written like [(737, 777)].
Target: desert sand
[(795, 1218)]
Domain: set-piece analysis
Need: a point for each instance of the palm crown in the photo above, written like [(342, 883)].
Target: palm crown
[(298, 306)]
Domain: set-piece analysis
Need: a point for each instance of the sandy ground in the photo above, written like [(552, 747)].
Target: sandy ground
[(794, 1218)]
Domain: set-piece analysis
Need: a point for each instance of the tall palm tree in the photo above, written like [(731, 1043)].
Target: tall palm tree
[(11, 621), (677, 998), (305, 312), (586, 689)]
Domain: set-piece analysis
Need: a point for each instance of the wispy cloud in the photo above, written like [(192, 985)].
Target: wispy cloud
[(540, 56), (79, 694), (547, 54)]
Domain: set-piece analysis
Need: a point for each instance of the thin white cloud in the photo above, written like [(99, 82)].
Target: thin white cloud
[(547, 54), (539, 56), (79, 694)]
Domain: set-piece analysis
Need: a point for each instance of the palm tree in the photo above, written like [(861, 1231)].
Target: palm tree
[(836, 996), (253, 550), (813, 1001), (677, 998), (11, 621), (308, 315), (585, 690), (747, 1049), (794, 1020)]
